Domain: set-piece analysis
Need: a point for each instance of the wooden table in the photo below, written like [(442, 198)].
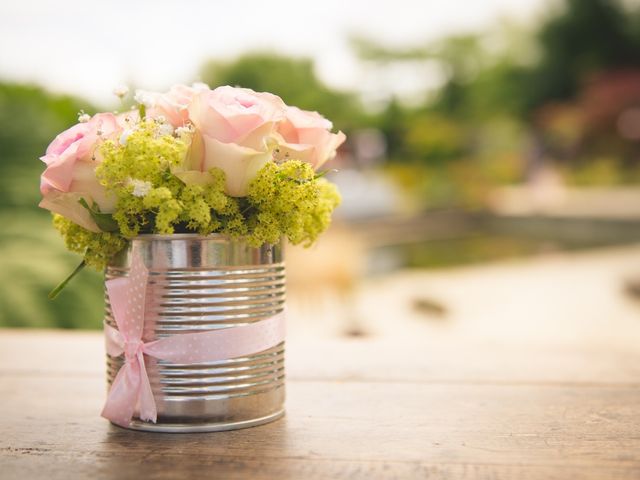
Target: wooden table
[(417, 400)]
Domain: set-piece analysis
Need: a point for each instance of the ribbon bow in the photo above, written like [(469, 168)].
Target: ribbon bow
[(131, 387)]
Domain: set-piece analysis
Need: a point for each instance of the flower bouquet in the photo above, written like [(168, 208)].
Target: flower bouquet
[(184, 202)]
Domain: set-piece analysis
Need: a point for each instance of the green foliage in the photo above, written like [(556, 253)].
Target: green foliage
[(434, 137), (289, 200), (29, 118), (104, 221), (600, 171), (293, 79), (583, 38), (535, 80), (166, 204), (97, 248), (33, 261), (146, 157), (33, 256)]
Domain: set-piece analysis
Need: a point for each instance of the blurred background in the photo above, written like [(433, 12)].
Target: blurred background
[(492, 168)]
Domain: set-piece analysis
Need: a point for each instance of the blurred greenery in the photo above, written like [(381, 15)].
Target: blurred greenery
[(515, 99), (293, 79), (509, 101), (33, 257)]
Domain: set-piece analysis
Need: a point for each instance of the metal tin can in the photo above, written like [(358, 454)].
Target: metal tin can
[(199, 283)]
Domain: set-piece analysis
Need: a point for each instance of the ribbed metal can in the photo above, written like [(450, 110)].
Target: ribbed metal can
[(199, 283)]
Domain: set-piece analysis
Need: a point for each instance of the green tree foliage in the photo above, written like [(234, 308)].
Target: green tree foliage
[(293, 79), (499, 81), (586, 37), (33, 257), (29, 119)]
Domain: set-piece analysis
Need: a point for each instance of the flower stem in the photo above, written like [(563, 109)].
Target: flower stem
[(54, 293)]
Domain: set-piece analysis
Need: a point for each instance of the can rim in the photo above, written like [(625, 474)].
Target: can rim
[(212, 237), (180, 236)]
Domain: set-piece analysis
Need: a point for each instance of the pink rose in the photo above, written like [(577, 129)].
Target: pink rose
[(234, 132), (307, 136), (173, 104), (70, 174)]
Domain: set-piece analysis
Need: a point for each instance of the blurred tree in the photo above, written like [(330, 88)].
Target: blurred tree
[(578, 39), (33, 257), (461, 57), (584, 38), (30, 118), (393, 123), (562, 89), (293, 79), (434, 138)]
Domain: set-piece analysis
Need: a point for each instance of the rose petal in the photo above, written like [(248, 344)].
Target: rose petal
[(307, 119), (240, 164), (59, 172), (66, 138), (307, 136), (86, 184), (288, 131), (293, 151), (208, 120), (66, 204), (231, 114), (257, 139), (328, 150)]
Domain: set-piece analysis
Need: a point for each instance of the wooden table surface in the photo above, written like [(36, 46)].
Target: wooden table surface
[(421, 400)]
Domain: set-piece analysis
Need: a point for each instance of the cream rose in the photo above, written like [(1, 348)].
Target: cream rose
[(234, 131)]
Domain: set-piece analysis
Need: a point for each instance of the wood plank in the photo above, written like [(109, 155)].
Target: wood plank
[(232, 468), (337, 429), (519, 379)]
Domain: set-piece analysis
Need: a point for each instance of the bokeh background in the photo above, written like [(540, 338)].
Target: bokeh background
[(488, 141)]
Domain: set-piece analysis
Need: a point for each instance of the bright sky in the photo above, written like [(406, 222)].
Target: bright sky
[(88, 47)]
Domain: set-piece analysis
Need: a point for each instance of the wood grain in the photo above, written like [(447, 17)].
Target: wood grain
[(510, 390), (334, 428)]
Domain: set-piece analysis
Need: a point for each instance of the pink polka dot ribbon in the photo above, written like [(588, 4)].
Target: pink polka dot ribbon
[(131, 387)]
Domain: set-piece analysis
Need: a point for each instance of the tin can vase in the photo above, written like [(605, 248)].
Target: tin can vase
[(202, 283)]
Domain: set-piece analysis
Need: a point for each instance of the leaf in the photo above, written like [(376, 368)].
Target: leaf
[(105, 221), (54, 293), (323, 173), (300, 181)]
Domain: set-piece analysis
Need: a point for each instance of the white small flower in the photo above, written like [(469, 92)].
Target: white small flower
[(120, 91), (164, 129), (186, 130), (141, 188), (143, 97), (161, 119), (124, 136), (83, 117)]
